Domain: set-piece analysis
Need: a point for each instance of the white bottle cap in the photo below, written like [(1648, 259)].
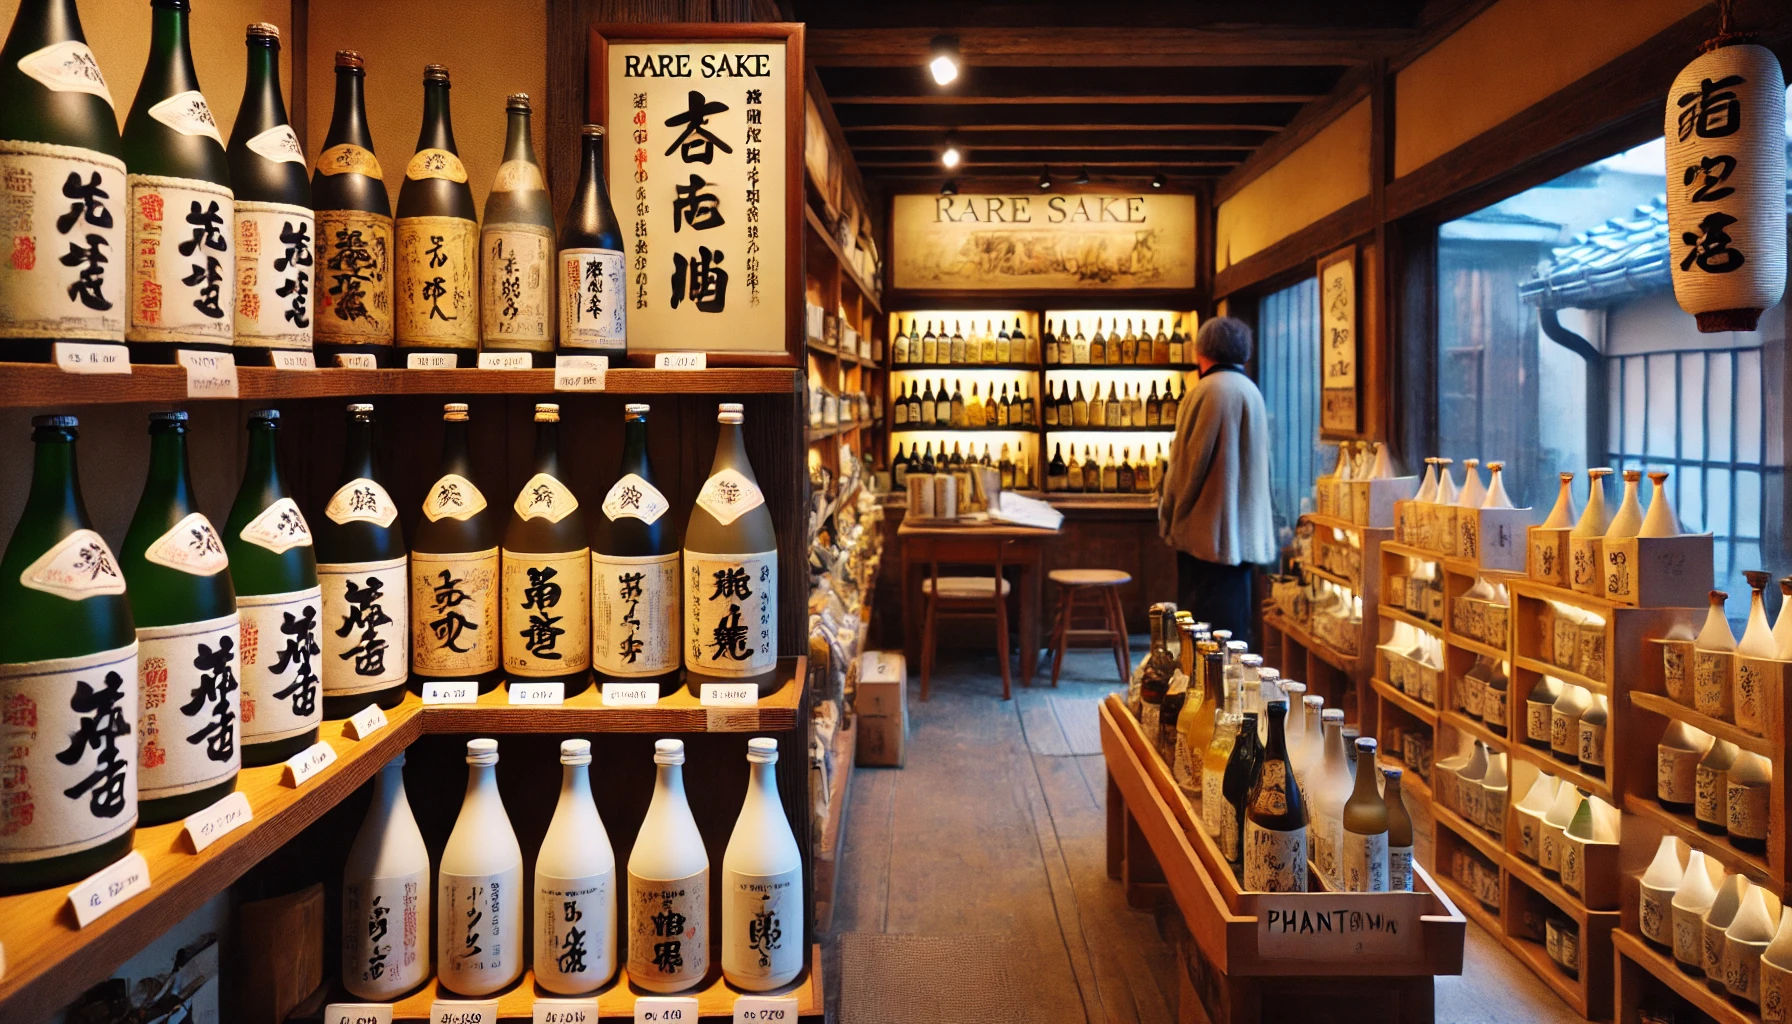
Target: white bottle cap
[(762, 750), (360, 407), (637, 407), (575, 752), (668, 752), (482, 751), (547, 412), (731, 407), (1313, 700), (1365, 745), (1332, 714)]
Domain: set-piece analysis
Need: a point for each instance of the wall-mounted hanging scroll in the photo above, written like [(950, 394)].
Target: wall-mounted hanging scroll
[(1338, 332)]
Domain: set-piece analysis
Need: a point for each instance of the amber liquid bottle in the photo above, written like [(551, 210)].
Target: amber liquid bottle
[(731, 572), (354, 232), (455, 573), (437, 228), (547, 573), (516, 249)]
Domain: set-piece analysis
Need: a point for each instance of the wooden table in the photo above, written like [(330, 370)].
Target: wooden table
[(976, 544)]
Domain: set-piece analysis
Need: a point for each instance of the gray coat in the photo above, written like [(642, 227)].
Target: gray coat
[(1215, 501)]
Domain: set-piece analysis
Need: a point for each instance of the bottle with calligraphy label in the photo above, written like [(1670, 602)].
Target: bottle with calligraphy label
[(181, 211), (634, 572), (274, 568), (731, 572), (1365, 827), (386, 896), (593, 298), (184, 605), (362, 569), (59, 154), (1235, 787), (1275, 827), (762, 884), (516, 249), (275, 230), (668, 885), (68, 801), (455, 571), (575, 886), (547, 573), (354, 231), (1399, 833), (479, 887), (437, 230)]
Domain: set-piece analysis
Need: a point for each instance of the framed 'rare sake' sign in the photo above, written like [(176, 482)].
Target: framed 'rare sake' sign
[(1338, 343), (704, 156)]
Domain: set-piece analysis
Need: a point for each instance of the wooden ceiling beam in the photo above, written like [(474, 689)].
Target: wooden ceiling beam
[(1245, 46), (1094, 97), (1094, 137), (857, 131), (1038, 116), (1062, 166)]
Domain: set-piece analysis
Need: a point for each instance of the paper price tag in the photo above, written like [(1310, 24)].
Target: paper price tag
[(358, 1013), (457, 692), (365, 723), (206, 827), (431, 361), (580, 373), (660, 1009), (110, 886), (209, 374), (728, 695), (303, 766), (505, 361), (357, 361), (631, 695), (457, 1011), (758, 1009), (537, 693), (680, 361), (565, 1011), (90, 357), (289, 360)]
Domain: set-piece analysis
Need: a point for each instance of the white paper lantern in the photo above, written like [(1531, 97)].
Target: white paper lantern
[(1726, 184)]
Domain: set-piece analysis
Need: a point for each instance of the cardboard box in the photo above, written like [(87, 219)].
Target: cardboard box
[(881, 705)]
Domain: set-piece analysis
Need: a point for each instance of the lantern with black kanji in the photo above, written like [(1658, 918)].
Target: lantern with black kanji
[(1726, 182)]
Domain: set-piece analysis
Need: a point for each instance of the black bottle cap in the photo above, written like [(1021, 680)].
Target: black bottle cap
[(56, 420), (168, 416)]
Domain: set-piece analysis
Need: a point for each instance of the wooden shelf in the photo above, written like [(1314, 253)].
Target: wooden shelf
[(825, 431), (1171, 429), (1472, 645), (1468, 903), (585, 713), (1561, 769), (1405, 702), (1401, 615), (1565, 675), (848, 271), (1010, 429), (841, 354), (1080, 367), (1326, 574), (1410, 784), (1537, 958), (1692, 989), (1550, 889), (1684, 826), (1490, 846), (1394, 547), (1463, 723), (1336, 659), (1336, 523), (912, 367), (1668, 707)]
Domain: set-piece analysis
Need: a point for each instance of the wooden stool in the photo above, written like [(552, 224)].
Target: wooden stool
[(963, 597), (1105, 584)]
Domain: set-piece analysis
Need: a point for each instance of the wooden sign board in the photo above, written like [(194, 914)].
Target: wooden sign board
[(704, 156), (1338, 329)]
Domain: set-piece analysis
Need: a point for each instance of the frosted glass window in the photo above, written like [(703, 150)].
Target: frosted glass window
[(1288, 372), (1660, 422)]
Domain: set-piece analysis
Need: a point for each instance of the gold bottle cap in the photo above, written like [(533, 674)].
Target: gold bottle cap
[(435, 72), (455, 412), (517, 101), (547, 412), (359, 408), (1633, 475), (350, 59), (595, 131), (263, 30)]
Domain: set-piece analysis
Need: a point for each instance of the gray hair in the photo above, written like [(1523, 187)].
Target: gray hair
[(1224, 339)]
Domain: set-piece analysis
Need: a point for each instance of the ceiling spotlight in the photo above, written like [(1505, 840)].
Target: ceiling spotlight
[(1160, 181), (1045, 179), (951, 157), (944, 62), (949, 187), (1082, 178)]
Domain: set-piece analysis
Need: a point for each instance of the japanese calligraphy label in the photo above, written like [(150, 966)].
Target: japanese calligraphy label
[(1274, 861), (361, 500), (435, 163), (765, 913), (634, 614), (544, 497), (79, 566), (731, 613), (280, 527), (668, 929), (1365, 862), (547, 612), (636, 498), (516, 301), (365, 626), (438, 282), (593, 313), (349, 159), (275, 256), (354, 274), (68, 66), (182, 272), (573, 919), (453, 497), (192, 546), (62, 228), (1745, 809), (279, 666), (188, 114), (278, 144), (474, 948), (1212, 779), (1400, 869), (729, 495), (190, 705), (454, 613), (385, 933), (68, 754)]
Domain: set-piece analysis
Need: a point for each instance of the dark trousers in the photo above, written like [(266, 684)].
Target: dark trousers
[(1218, 594)]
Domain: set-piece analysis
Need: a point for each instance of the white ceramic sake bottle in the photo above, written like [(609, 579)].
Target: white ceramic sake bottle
[(1782, 626), (1428, 484), (1472, 493), (668, 885), (575, 886), (1561, 514), (1595, 517), (479, 890), (1655, 912), (1695, 895), (1446, 487), (763, 945), (1661, 520), (385, 896), (1629, 518), (1496, 487), (1757, 637), (1330, 790)]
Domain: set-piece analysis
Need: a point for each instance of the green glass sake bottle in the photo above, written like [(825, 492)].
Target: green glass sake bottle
[(516, 249), (58, 132), (593, 298), (69, 656), (181, 212), (354, 232), (634, 572), (363, 571), (455, 570), (188, 638), (731, 572), (438, 239), (547, 573), (275, 230), (274, 567)]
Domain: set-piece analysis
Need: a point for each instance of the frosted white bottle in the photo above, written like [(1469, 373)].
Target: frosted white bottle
[(668, 886), (385, 896), (762, 884), (575, 886), (1330, 790), (479, 890)]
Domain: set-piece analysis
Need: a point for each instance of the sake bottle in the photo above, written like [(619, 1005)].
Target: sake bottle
[(1661, 520), (1629, 518), (1275, 829), (762, 885), (438, 239), (1656, 893), (1561, 514), (181, 293), (354, 231), (1782, 626), (634, 572), (275, 230), (1746, 789), (1694, 896), (479, 887), (1711, 810), (668, 885), (593, 298), (575, 886), (1241, 771), (386, 896), (74, 663), (274, 569), (455, 570), (58, 125), (1218, 751), (731, 572), (361, 566), (547, 573), (1365, 829), (516, 249), (188, 636), (1595, 518), (1332, 786), (1399, 833)]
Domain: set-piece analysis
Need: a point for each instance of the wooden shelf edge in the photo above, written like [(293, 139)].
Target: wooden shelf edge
[(1560, 769), (872, 296), (1467, 903), (1473, 646), (1463, 723), (1402, 615), (1405, 702), (1693, 990), (1668, 707), (1490, 846), (1532, 877), (1344, 524), (1394, 547), (1342, 662), (1565, 675), (1753, 865), (1340, 580)]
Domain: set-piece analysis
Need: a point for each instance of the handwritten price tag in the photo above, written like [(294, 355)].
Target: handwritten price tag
[(680, 361), (358, 1013), (580, 373), (537, 693), (110, 886), (565, 1011), (357, 361), (303, 766), (365, 723), (505, 361), (206, 827), (758, 1009), (456, 1011), (84, 357), (209, 374), (287, 360), (457, 692), (660, 1009), (631, 695), (431, 361), (728, 695)]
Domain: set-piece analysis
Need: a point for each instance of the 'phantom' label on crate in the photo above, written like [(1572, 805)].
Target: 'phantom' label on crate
[(1309, 926), (358, 1013), (457, 692), (206, 827), (110, 886)]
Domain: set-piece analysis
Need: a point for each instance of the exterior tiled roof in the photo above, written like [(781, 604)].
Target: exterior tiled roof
[(1622, 258)]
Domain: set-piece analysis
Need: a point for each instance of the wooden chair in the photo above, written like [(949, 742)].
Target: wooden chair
[(963, 597), (1105, 584)]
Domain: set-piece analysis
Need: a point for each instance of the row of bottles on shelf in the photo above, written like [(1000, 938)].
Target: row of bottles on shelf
[(1108, 475), (828, 407), (1066, 347), (1016, 470), (1125, 405), (1722, 679), (230, 647), (1597, 519), (270, 257), (662, 906), (1131, 407), (1724, 787), (921, 408), (996, 345), (1718, 925)]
